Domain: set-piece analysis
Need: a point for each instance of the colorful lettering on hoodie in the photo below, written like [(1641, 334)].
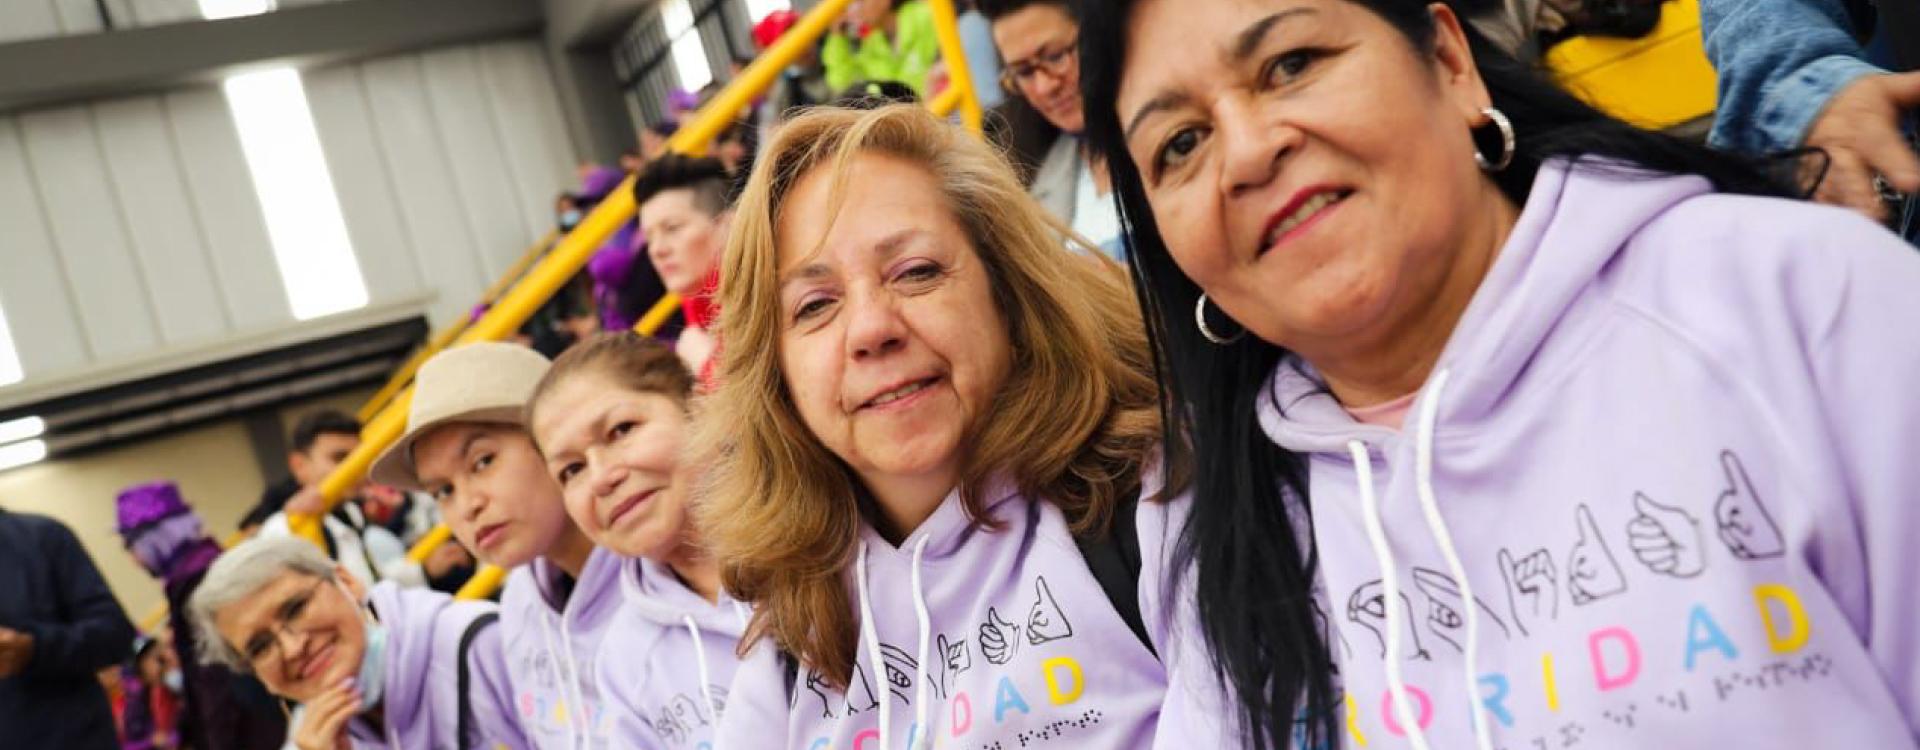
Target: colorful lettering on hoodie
[(1672, 445), (550, 648), (421, 704), (666, 660), (1019, 648)]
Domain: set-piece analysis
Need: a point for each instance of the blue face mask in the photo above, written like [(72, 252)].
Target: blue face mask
[(373, 659), (175, 683), (569, 219)]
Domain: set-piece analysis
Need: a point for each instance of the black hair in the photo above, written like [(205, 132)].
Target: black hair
[(705, 176), (875, 94), (1256, 568), (995, 10), (313, 424)]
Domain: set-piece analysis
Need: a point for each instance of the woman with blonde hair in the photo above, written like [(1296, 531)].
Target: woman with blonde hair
[(930, 445)]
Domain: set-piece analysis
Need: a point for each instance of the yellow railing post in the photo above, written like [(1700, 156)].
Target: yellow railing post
[(946, 26)]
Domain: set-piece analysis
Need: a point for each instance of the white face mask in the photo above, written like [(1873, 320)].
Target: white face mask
[(175, 682), (373, 658)]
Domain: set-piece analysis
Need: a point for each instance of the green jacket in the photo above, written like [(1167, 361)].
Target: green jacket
[(876, 59)]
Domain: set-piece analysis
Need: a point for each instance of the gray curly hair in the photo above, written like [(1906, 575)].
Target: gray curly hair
[(242, 572)]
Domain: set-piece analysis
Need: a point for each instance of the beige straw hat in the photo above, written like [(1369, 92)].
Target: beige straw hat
[(484, 382)]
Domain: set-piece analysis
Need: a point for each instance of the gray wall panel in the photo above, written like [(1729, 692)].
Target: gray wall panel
[(525, 106), (229, 210), (360, 177), (89, 231), (480, 176), (28, 19), (40, 315), (165, 234)]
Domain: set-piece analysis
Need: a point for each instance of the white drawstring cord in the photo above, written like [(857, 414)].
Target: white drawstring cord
[(1423, 472), (566, 678), (700, 664), (1390, 581), (573, 683), (921, 730), (872, 640)]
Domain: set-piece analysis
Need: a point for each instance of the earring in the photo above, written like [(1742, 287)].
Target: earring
[(1200, 319), (1506, 142)]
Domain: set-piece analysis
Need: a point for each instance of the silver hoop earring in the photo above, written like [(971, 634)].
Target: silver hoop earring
[(1200, 319), (1506, 142)]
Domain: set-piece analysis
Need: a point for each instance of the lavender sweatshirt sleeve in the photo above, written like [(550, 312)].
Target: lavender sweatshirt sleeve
[(1865, 362), (1195, 711)]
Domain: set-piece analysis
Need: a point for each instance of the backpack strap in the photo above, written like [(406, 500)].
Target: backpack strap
[(465, 719), (1114, 560)]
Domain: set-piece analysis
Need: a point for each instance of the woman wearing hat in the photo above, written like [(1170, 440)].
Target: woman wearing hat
[(467, 446)]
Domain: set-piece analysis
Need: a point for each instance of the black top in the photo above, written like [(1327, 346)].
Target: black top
[(51, 590)]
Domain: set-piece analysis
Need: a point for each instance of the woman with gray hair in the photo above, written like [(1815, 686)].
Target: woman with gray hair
[(381, 667)]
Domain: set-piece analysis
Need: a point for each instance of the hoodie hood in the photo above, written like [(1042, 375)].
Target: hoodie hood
[(552, 634), (666, 663), (421, 700), (1614, 505), (967, 636)]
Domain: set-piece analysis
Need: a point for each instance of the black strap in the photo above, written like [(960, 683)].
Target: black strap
[(1114, 560), (465, 719)]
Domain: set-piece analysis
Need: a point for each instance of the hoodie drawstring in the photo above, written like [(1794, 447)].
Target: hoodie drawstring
[(1390, 581), (925, 621), (568, 668), (700, 663), (1436, 525), (872, 641)]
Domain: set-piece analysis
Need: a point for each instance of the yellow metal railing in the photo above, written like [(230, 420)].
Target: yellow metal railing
[(445, 336), (576, 247)]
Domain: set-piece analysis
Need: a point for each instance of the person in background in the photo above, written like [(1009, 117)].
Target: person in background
[(1483, 384), (225, 711), (611, 419), (151, 697), (371, 666), (59, 626), (983, 59), (803, 83), (1037, 39), (882, 40), (735, 146), (321, 440), (1798, 73), (684, 211), (623, 288), (654, 139), (466, 445), (926, 409)]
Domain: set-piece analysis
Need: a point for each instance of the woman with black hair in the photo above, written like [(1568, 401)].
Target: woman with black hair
[(1511, 425)]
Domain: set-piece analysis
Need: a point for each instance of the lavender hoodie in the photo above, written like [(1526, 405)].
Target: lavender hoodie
[(1658, 491), (551, 639), (667, 660), (421, 701), (970, 638)]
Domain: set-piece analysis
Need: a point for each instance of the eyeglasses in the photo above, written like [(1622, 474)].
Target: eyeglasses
[(1053, 62), (264, 647)]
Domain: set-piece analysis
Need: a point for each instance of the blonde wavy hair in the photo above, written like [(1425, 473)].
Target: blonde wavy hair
[(1075, 422)]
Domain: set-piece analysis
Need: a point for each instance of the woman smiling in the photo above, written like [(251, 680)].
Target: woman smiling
[(931, 421), (1516, 417)]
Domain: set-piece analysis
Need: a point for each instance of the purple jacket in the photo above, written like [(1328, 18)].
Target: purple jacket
[(666, 661), (1020, 647), (421, 704), (551, 639), (1671, 486)]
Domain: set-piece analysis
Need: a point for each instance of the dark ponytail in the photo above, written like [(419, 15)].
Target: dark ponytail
[(1250, 531)]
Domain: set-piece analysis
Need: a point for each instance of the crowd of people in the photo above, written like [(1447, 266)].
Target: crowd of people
[(1312, 373)]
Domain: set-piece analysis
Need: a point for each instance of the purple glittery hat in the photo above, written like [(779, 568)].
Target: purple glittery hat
[(600, 181), (143, 506)]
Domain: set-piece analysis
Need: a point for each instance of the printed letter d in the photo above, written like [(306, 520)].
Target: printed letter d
[(1797, 630)]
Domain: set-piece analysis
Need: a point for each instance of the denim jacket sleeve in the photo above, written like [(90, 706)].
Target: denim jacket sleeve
[(1779, 61)]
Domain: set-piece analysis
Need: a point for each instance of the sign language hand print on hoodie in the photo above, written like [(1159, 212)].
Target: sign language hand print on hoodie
[(1533, 588), (1592, 573), (1666, 539), (1367, 607), (1446, 609), (1045, 622), (1745, 525), (999, 639)]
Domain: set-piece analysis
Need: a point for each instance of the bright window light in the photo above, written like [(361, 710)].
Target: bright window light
[(9, 359), (16, 430), (21, 454), (296, 193), (214, 10), (758, 9), (689, 57)]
